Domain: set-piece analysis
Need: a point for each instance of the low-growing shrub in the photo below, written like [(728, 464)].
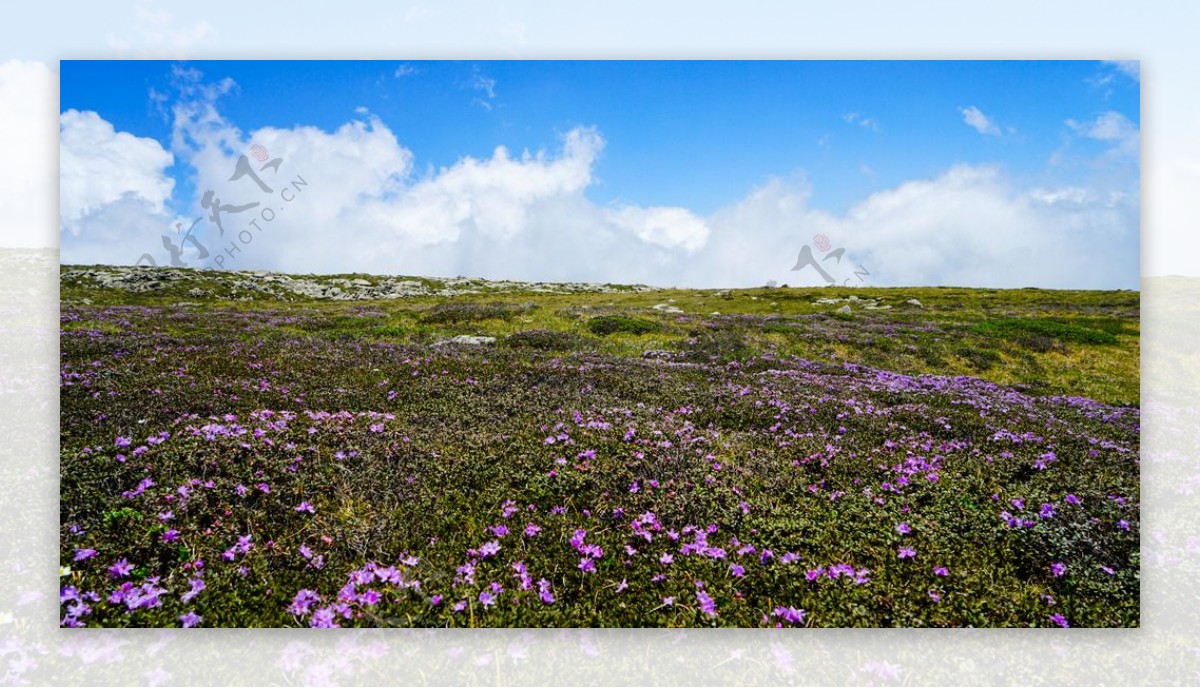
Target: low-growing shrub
[(458, 312), (610, 324), (1017, 328)]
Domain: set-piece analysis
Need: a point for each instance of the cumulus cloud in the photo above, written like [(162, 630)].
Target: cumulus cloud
[(113, 191), (28, 104), (664, 227), (98, 165), (980, 122), (970, 225)]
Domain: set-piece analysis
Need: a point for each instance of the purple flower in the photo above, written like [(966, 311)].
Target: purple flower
[(622, 585), (706, 602), (906, 553), (532, 529), (1058, 569), (941, 571), (587, 565), (666, 559), (323, 618), (120, 568), (197, 586), (789, 615), (170, 535), (1047, 511), (190, 620), (1123, 524), (489, 549), (544, 591), (737, 571), (1060, 620), (1072, 500), (903, 528), (306, 507), (500, 530), (84, 554), (486, 598), (935, 596)]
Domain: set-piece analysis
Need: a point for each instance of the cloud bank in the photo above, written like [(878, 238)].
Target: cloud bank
[(350, 200)]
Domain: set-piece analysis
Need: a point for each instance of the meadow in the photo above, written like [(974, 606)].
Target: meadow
[(619, 457)]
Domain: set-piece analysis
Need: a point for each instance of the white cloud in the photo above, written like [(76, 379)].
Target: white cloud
[(665, 227), (98, 165), (975, 118), (968, 226), (404, 70), (113, 191), (861, 120), (1112, 127), (485, 85), (1130, 68), (28, 105)]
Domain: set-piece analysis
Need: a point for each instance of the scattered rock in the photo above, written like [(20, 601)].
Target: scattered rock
[(914, 302), (844, 309), (137, 279), (667, 308), (468, 340)]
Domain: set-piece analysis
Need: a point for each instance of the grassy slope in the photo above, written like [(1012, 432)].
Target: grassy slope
[(727, 419)]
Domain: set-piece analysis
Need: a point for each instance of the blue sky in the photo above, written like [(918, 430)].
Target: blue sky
[(697, 136)]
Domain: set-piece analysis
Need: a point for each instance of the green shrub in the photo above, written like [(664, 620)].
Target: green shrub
[(1018, 328), (458, 312), (609, 324)]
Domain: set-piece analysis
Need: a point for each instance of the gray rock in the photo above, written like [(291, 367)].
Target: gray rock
[(844, 309), (667, 308), (914, 302), (468, 340)]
